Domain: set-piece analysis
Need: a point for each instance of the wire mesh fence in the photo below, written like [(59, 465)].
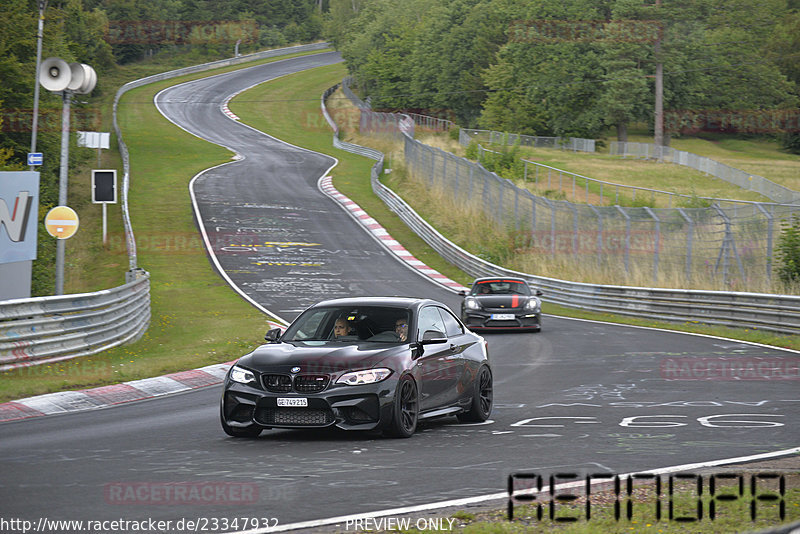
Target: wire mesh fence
[(575, 144), (745, 180), (729, 243)]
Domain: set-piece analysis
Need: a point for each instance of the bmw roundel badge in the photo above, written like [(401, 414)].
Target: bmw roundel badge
[(295, 369)]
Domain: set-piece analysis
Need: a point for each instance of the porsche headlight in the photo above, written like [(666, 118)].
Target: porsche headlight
[(471, 304), (241, 375), (533, 304), (367, 376)]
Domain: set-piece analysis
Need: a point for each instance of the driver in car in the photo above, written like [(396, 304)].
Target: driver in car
[(342, 328)]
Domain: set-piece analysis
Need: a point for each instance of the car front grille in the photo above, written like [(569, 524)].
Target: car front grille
[(294, 416), (310, 383), (300, 383), (277, 383)]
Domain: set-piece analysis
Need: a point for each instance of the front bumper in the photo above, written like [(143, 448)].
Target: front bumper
[(482, 320), (364, 407)]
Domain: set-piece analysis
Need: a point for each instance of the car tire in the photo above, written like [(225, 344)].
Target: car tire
[(482, 399), (405, 412), (251, 431)]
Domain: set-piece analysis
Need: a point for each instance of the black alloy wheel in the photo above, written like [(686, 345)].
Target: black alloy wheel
[(481, 405), (406, 409)]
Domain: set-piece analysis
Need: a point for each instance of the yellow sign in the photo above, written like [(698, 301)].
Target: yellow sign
[(61, 222)]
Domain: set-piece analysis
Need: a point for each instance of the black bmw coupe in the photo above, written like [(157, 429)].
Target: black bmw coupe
[(361, 364), (502, 303)]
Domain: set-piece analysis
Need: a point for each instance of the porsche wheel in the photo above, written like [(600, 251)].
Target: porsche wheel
[(481, 405)]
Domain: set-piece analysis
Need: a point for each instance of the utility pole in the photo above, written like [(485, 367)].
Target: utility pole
[(658, 139), (35, 125)]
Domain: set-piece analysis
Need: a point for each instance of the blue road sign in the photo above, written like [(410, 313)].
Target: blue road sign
[(35, 158)]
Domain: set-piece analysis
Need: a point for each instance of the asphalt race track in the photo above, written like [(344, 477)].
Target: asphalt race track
[(579, 396)]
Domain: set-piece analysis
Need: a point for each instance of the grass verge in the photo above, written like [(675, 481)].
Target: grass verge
[(196, 318)]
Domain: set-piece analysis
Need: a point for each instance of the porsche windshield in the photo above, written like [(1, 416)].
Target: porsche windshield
[(350, 324), (500, 287)]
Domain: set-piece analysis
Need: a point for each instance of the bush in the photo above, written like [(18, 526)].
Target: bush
[(788, 256), (472, 150)]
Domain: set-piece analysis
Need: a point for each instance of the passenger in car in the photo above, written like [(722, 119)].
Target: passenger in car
[(401, 329)]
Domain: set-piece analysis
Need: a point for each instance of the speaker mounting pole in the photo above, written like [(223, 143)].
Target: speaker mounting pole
[(63, 182), (59, 77)]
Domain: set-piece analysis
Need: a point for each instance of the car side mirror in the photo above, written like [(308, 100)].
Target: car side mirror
[(433, 337), (272, 335), (462, 293), (539, 293)]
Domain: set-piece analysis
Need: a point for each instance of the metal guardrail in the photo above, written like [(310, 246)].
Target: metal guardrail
[(745, 180), (775, 313), (49, 329)]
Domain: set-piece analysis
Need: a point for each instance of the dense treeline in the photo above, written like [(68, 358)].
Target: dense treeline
[(532, 67), (107, 34)]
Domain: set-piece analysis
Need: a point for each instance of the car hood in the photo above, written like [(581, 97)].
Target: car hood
[(502, 301), (330, 358)]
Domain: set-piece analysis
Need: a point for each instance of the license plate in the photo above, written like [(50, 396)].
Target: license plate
[(294, 401), (502, 317)]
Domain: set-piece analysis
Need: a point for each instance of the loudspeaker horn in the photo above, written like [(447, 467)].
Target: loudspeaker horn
[(76, 80), (54, 74), (89, 80)]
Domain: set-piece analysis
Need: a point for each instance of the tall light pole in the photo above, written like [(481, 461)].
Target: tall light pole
[(40, 34)]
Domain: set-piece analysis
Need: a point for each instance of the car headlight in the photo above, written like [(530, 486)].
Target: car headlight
[(471, 304), (241, 375), (533, 304), (367, 376)]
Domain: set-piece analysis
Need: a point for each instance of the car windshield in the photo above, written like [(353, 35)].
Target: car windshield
[(500, 287), (350, 324)]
